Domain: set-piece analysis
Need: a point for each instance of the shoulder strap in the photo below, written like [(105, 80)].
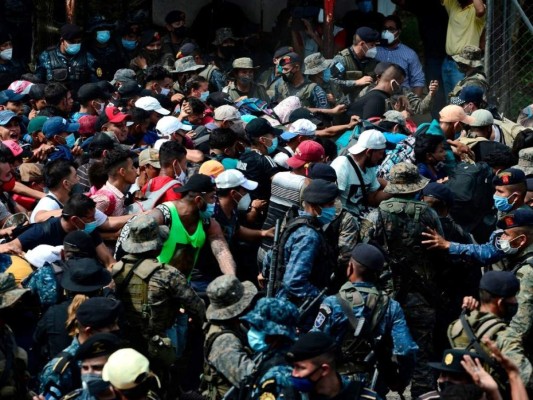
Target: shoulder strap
[(348, 311), (162, 190), (474, 340), (360, 177), (56, 200), (124, 284), (62, 363)]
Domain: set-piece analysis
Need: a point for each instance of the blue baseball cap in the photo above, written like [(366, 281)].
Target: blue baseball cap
[(10, 95), (6, 116), (57, 125)]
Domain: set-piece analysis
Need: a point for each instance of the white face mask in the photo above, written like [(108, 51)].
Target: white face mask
[(165, 91), (181, 177), (371, 53), (388, 36), (244, 202), (6, 54)]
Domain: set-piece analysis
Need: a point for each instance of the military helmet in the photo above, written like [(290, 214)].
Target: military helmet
[(274, 317), (228, 297), (404, 179)]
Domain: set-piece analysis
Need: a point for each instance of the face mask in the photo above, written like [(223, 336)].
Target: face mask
[(388, 36), (90, 227), (244, 80), (244, 202), (327, 215), (180, 32), (77, 188), (204, 96), (6, 54), (509, 311), (371, 53), (287, 77), (129, 44), (304, 385), (279, 70), (94, 384), (73, 48), (502, 203), (181, 177), (272, 148), (326, 75), (208, 212), (165, 91), (100, 109), (227, 51), (70, 140), (103, 36), (256, 340)]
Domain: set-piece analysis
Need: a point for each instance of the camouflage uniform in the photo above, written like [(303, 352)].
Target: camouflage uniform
[(470, 55), (350, 69), (63, 381), (397, 224), (418, 105)]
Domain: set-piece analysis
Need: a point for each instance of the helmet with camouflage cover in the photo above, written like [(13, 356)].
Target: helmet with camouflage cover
[(144, 235), (274, 317), (469, 55), (10, 293), (525, 161), (404, 179), (316, 63), (186, 64), (228, 297)]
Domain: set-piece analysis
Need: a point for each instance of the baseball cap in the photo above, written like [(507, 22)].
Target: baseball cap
[(370, 139), (149, 156), (440, 192), (301, 127), (129, 89), (174, 16), (149, 103), (308, 151), (198, 183), (126, 369), (322, 171), (482, 118), (6, 116), (500, 283), (92, 91), (232, 179), (227, 113), (368, 256), (58, 125), (304, 113), (10, 95), (453, 113), (320, 192), (169, 124), (98, 312), (88, 125), (290, 58), (468, 94), (36, 124), (259, 127), (283, 51), (368, 34), (12, 145), (115, 116), (123, 75), (21, 87), (211, 168)]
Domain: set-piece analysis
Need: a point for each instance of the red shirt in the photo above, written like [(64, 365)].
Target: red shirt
[(157, 183)]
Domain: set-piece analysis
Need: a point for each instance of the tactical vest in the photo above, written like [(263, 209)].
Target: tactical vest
[(303, 93), (68, 69), (207, 73), (476, 79), (360, 339), (353, 71)]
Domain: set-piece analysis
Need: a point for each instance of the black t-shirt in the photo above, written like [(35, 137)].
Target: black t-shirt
[(372, 104), (49, 232), (258, 168)]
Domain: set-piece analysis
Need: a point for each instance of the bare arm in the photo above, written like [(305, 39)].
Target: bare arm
[(254, 235), (114, 223), (220, 249), (480, 8), (13, 247), (195, 156), (24, 190), (43, 215), (104, 255), (335, 130)]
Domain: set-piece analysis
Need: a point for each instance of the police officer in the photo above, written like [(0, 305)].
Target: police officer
[(360, 315), (227, 356), (103, 47), (498, 305), (313, 370), (397, 224), (67, 62), (10, 69)]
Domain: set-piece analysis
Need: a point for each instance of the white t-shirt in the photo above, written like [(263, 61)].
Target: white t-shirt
[(50, 204), (349, 185), (281, 158)]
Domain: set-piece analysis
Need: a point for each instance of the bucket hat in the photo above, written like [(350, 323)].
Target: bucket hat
[(228, 297), (85, 275), (404, 179), (145, 235), (10, 293)]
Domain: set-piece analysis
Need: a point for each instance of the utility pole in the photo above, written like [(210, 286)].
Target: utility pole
[(70, 11), (329, 45)]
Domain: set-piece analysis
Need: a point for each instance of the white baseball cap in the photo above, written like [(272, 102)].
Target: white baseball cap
[(168, 125), (149, 103), (371, 139), (126, 369), (482, 118), (302, 127), (232, 178), (227, 113)]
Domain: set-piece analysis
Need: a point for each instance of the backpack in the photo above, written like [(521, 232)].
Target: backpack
[(151, 198), (45, 282), (471, 185), (509, 130)]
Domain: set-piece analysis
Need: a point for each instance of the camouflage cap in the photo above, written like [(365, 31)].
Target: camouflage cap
[(223, 34), (404, 179), (186, 64), (228, 297), (274, 317), (470, 55), (10, 293), (315, 63), (395, 116), (243, 63), (525, 161), (144, 235)]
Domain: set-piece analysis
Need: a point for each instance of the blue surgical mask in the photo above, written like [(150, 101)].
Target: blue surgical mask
[(272, 148), (204, 96), (70, 140), (103, 36), (327, 215), (73, 48), (129, 44), (502, 203), (304, 385), (90, 227), (208, 212), (256, 340), (326, 75)]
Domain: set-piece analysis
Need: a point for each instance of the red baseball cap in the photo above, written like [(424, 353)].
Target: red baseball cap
[(307, 151), (16, 150), (87, 125), (114, 115)]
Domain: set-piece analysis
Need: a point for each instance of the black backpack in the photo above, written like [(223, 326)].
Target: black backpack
[(473, 208)]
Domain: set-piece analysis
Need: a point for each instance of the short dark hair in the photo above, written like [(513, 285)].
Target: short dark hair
[(397, 21), (116, 159), (424, 144), (56, 171), (225, 192), (78, 205), (170, 151), (54, 93), (221, 138), (97, 174), (366, 274), (502, 158), (485, 297), (6, 156), (138, 115), (197, 105), (194, 83), (156, 73)]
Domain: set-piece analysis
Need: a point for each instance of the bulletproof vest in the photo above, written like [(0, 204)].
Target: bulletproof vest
[(75, 68), (476, 79), (132, 277), (207, 73), (303, 93), (360, 339), (354, 71)]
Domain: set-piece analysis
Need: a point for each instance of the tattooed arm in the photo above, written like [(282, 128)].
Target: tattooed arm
[(220, 249)]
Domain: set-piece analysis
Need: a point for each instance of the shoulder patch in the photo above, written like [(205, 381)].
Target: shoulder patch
[(322, 316), (267, 396), (268, 382)]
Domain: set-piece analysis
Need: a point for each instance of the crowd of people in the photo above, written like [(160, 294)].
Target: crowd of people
[(178, 221)]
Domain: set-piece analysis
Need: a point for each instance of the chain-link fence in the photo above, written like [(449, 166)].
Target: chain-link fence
[(509, 54)]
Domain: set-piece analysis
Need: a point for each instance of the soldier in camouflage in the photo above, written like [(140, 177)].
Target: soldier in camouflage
[(469, 63), (152, 292), (363, 312), (227, 357), (498, 305), (397, 224)]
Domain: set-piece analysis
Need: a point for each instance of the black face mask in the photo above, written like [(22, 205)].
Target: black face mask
[(509, 311), (151, 56), (180, 32), (227, 51), (288, 77)]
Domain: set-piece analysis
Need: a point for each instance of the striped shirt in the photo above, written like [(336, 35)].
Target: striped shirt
[(406, 58)]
